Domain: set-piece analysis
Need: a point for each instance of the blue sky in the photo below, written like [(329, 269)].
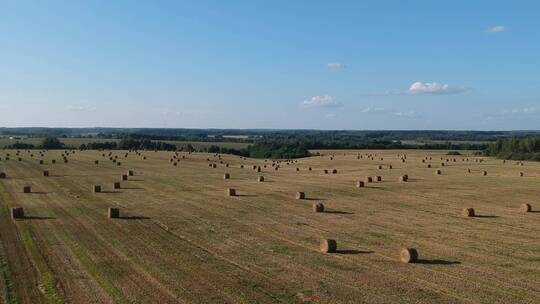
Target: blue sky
[(271, 64)]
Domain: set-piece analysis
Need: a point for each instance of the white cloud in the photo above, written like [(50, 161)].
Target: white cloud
[(330, 115), (386, 111), (79, 108), (419, 88), (324, 101), (375, 110), (497, 29), (408, 114), (528, 110), (335, 65)]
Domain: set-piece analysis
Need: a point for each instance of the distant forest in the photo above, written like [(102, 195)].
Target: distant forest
[(292, 143), (516, 148)]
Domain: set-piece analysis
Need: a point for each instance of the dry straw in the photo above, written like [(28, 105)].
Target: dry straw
[(328, 246), (113, 213), (468, 212), (525, 208), (27, 189), (360, 184), (318, 207), (17, 213), (300, 195), (408, 255), (231, 192), (97, 188)]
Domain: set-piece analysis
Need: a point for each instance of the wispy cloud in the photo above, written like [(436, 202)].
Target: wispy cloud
[(335, 65), (324, 101), (513, 113), (330, 115), (433, 88), (80, 108), (386, 111), (496, 29)]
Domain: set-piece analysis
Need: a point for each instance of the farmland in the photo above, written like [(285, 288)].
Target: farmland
[(180, 239)]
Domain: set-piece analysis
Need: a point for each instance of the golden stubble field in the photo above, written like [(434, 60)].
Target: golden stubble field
[(180, 239)]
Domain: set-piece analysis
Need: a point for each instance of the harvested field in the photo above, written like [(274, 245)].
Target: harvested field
[(179, 239)]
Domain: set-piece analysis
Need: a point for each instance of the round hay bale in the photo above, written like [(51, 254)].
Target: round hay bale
[(360, 184), (41, 162), (27, 189), (438, 172), (45, 173), (97, 188), (17, 213), (369, 179), (116, 185), (468, 170), (378, 178), (241, 166), (2, 175), (113, 213), (214, 166), (328, 246), (310, 169), (300, 195), (260, 179), (325, 171), (404, 178), (96, 162), (442, 164), (53, 161), (231, 192), (390, 167), (521, 174), (379, 167), (484, 173), (429, 166), (297, 169), (131, 172), (226, 176), (334, 171), (259, 169), (408, 255), (468, 212), (525, 208), (124, 177), (318, 207)]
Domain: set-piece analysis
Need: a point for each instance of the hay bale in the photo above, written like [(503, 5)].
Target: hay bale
[(300, 195), (378, 178), (45, 173), (231, 192), (96, 162), (124, 177), (484, 173), (41, 162), (310, 169), (328, 246), (53, 161), (259, 169), (260, 179), (468, 170), (226, 176), (113, 213), (17, 213), (442, 164), (241, 166), (429, 166), (404, 178), (334, 171), (369, 179), (318, 207), (525, 208), (97, 188), (438, 172), (390, 167), (116, 185), (467, 212), (408, 255), (131, 172), (2, 175), (27, 189), (325, 171), (297, 169), (379, 167), (521, 174), (214, 166), (118, 163)]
